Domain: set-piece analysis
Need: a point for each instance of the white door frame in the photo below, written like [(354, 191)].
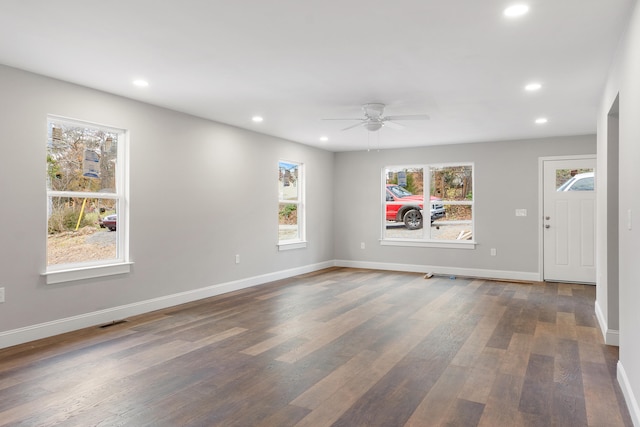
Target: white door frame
[(541, 161)]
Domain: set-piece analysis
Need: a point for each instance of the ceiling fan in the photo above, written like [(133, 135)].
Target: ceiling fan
[(374, 120)]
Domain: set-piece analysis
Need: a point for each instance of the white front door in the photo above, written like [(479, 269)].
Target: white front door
[(569, 220)]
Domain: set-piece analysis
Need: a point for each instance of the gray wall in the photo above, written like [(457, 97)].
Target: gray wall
[(505, 178), (617, 303), (201, 192)]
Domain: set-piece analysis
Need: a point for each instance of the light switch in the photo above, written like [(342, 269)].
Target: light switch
[(521, 212)]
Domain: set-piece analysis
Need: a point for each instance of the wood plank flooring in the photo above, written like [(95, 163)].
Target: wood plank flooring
[(340, 347)]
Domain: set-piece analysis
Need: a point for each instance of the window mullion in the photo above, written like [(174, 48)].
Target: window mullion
[(82, 195)]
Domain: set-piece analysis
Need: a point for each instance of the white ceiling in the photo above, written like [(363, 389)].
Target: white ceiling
[(294, 62)]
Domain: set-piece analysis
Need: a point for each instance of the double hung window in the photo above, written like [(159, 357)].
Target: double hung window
[(86, 200), (291, 228)]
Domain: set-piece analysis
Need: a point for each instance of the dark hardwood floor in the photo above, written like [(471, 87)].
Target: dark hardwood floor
[(341, 347)]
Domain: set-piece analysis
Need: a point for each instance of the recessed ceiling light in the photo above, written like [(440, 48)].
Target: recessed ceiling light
[(516, 10), (140, 83), (541, 120), (532, 87), (324, 138), (257, 119)]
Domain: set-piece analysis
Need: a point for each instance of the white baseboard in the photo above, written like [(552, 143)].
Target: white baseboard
[(611, 336), (629, 397), (60, 326), (448, 271)]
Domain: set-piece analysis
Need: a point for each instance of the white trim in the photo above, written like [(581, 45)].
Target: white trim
[(569, 157), (444, 244), (447, 271), (60, 326), (78, 122), (71, 274), (610, 336), (456, 202), (82, 194), (124, 176), (629, 397), (287, 246), (541, 161)]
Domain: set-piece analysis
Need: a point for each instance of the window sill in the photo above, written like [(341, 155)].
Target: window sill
[(293, 245), (72, 274), (467, 244)]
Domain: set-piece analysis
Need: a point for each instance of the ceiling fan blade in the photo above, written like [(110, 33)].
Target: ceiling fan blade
[(359, 119), (353, 126), (393, 125), (409, 117)]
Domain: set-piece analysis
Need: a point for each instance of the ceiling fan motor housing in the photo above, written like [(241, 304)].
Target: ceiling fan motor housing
[(373, 111)]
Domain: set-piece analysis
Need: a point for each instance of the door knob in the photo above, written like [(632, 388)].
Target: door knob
[(547, 218), (547, 226)]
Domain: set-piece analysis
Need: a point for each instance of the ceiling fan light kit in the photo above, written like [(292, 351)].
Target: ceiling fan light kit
[(373, 126)]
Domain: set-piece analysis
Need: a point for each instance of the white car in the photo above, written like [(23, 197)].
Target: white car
[(579, 182)]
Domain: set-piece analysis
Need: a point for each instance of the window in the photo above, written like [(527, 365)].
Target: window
[(448, 218), (291, 232), (86, 204)]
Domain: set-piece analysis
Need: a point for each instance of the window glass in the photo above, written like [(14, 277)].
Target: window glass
[(81, 158), (451, 182), (84, 193), (79, 230), (456, 224), (404, 202), (288, 221), (575, 180), (583, 184)]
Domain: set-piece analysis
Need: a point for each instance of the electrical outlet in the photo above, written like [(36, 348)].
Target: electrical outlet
[(1, 294), (237, 258), (362, 245)]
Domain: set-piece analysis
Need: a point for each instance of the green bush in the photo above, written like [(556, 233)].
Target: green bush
[(288, 214), (287, 210), (65, 219)]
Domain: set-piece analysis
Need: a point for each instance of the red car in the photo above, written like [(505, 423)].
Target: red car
[(409, 207), (109, 222)]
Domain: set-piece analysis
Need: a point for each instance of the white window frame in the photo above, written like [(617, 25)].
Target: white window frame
[(121, 264), (427, 242), (299, 242)]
